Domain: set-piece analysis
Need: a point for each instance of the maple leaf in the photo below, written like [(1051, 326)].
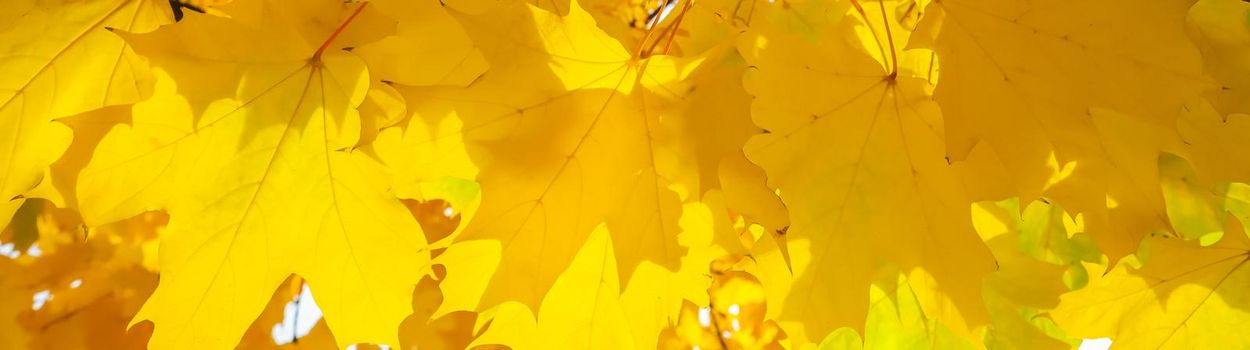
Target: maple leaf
[(609, 137), (416, 138), (1183, 296), (1206, 134), (1040, 251), (894, 321), (261, 334), (1020, 79), (92, 280), (1174, 292), (592, 138), (1222, 33), (734, 317), (428, 157), (857, 159), (605, 174), (57, 59), (424, 330), (581, 310), (254, 164), (1125, 173), (425, 30)]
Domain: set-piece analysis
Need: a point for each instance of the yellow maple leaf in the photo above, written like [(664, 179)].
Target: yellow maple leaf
[(60, 59), (895, 320), (857, 158), (568, 130), (581, 310), (1116, 187), (428, 33), (1040, 250), (1221, 29), (1182, 289), (734, 318), (563, 149), (1020, 80), (249, 147), (1207, 135), (536, 174), (86, 282), (1182, 296)]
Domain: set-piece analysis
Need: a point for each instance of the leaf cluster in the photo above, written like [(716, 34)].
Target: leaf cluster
[(592, 174)]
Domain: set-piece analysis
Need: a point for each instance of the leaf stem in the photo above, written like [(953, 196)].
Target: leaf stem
[(317, 55), (889, 36), (651, 28), (711, 305), (670, 31), (677, 25), (932, 58), (295, 318), (872, 29)]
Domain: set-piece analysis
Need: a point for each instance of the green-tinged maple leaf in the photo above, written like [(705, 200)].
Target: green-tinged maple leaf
[(1040, 250), (895, 321), (1181, 290), (1183, 296), (248, 145)]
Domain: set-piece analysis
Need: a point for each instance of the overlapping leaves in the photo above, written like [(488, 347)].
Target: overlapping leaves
[(633, 174)]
